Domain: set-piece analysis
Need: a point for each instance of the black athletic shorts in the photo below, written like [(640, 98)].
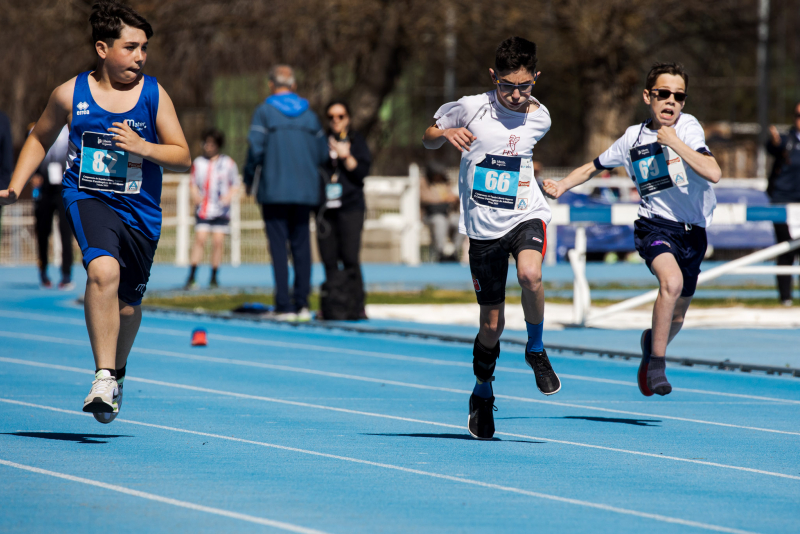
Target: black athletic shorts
[(488, 258), (688, 244), (100, 232)]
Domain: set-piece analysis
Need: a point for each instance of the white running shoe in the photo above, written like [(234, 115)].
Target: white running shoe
[(303, 316), (106, 417), (104, 395)]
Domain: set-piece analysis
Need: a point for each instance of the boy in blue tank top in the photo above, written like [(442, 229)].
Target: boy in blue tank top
[(123, 131)]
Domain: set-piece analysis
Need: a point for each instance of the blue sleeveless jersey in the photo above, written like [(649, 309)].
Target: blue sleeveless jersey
[(141, 211)]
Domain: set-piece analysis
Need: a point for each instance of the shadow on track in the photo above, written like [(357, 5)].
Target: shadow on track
[(60, 436), (466, 437), (635, 422)]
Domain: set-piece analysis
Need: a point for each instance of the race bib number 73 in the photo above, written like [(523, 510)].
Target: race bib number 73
[(503, 182), (107, 168)]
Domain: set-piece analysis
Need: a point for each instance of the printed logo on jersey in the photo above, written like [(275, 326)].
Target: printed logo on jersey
[(659, 242), (524, 184), (511, 150), (135, 125), (83, 109), (141, 287), (133, 186), (522, 204), (476, 285), (536, 239)]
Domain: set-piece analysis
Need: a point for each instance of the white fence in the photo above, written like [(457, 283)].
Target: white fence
[(392, 230)]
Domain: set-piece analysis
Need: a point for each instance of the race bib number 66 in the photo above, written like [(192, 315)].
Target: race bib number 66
[(104, 167), (503, 182)]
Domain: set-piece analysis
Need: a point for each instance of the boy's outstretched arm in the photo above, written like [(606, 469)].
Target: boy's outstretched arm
[(580, 175), (40, 140), (434, 138), (172, 150)]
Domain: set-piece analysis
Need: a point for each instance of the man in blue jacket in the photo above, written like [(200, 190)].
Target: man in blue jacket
[(784, 187), (288, 143)]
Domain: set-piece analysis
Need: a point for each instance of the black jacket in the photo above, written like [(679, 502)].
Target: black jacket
[(352, 181), (784, 181)]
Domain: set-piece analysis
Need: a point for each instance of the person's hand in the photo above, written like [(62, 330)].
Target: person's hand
[(128, 140), (775, 135), (552, 188), (7, 196), (342, 148), (461, 138), (667, 136)]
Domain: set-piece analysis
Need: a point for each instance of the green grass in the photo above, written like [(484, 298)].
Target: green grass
[(226, 302)]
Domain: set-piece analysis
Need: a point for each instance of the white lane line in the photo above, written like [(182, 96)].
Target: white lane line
[(588, 504), (166, 500), (404, 419), (286, 368), (373, 354)]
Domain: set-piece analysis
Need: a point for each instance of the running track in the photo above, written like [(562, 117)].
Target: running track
[(277, 429)]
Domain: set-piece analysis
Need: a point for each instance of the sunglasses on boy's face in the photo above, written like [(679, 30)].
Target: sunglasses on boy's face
[(663, 94), (509, 88)]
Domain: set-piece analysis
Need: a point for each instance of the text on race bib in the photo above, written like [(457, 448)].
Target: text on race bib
[(503, 182), (104, 167)]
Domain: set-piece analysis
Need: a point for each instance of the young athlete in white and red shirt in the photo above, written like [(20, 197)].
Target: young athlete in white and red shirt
[(502, 211), (215, 181)]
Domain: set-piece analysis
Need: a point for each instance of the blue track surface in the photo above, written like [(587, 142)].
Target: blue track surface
[(272, 428)]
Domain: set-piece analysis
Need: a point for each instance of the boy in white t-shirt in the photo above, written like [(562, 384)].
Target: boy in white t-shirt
[(673, 169), (215, 183), (502, 211)]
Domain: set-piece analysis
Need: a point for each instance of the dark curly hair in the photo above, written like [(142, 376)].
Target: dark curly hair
[(515, 53), (676, 69), (108, 17)]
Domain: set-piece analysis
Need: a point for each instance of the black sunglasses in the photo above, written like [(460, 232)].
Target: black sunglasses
[(663, 94)]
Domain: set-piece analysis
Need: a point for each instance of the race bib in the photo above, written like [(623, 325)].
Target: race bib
[(503, 182), (333, 195), (107, 168), (657, 168)]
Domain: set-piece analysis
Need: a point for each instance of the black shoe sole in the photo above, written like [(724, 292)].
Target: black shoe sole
[(98, 406)]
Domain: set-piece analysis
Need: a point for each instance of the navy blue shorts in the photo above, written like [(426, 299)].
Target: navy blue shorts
[(100, 232), (488, 258), (687, 243)]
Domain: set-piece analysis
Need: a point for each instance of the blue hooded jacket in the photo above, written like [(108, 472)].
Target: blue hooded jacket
[(287, 141)]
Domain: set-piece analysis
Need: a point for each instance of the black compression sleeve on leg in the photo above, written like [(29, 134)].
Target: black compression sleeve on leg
[(484, 360)]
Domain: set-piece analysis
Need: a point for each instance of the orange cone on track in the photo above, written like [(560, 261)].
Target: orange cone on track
[(199, 338)]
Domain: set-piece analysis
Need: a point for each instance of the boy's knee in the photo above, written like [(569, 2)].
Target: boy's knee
[(127, 311), (530, 278), (672, 286), (103, 273)]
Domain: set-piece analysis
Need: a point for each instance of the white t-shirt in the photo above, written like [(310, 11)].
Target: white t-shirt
[(214, 178), (500, 132), (693, 203)]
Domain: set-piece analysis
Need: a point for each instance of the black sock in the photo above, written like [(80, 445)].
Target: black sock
[(192, 270), (214, 274), (121, 374), (112, 371)]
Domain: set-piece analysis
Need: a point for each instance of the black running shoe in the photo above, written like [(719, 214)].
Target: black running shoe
[(546, 379), (481, 418)]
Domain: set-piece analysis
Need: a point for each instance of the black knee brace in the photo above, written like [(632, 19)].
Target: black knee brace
[(484, 360)]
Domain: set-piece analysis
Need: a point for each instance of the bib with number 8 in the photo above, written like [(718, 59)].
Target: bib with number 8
[(107, 168), (503, 182)]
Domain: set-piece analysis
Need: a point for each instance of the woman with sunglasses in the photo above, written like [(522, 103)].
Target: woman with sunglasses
[(673, 169), (341, 217)]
